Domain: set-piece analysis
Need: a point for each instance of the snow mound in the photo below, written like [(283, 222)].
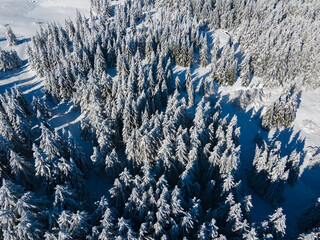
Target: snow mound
[(64, 4), (310, 126)]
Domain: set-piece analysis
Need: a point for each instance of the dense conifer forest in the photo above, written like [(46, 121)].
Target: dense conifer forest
[(167, 160)]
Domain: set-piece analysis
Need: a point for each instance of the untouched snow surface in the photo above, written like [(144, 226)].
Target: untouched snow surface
[(25, 16)]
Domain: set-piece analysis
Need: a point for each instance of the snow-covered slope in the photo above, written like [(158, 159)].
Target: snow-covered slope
[(24, 16)]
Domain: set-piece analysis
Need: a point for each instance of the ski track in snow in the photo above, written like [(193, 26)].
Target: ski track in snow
[(25, 16)]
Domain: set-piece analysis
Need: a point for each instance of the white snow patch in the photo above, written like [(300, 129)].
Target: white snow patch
[(79, 4), (308, 117), (310, 126), (23, 16)]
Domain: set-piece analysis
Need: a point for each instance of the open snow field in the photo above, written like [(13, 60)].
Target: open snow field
[(25, 17)]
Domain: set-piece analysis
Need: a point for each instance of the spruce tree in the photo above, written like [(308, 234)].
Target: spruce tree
[(11, 37)]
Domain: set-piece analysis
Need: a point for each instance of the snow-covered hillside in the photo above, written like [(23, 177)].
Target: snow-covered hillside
[(24, 16), (166, 150)]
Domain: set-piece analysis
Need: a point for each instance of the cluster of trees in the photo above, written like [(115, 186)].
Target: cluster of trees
[(272, 169), (167, 155), (18, 208), (279, 50), (18, 213), (159, 193), (38, 160), (156, 193), (282, 112), (245, 97), (309, 222), (224, 65), (279, 55), (9, 60), (15, 127), (65, 56)]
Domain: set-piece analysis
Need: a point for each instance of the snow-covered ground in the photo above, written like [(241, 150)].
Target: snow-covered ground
[(25, 16)]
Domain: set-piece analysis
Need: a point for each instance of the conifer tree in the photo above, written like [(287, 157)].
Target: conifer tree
[(203, 58), (113, 165), (21, 169), (99, 62), (191, 95), (11, 37), (65, 198)]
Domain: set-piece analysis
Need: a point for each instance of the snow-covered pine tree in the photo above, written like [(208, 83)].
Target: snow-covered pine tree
[(246, 70), (112, 165), (275, 226), (21, 169), (65, 198), (203, 54), (11, 37), (9, 60), (191, 95)]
